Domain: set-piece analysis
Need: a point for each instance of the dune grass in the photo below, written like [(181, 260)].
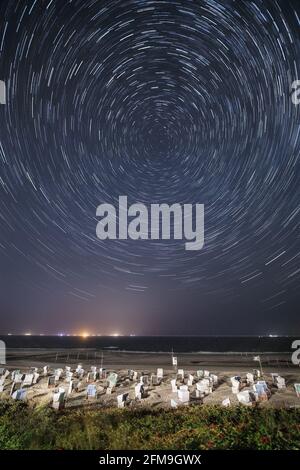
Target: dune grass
[(194, 428)]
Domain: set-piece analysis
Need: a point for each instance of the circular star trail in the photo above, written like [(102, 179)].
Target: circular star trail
[(161, 101)]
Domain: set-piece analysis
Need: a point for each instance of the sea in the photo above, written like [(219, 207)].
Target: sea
[(180, 344)]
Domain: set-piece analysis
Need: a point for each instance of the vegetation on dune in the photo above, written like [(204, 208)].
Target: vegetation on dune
[(194, 427)]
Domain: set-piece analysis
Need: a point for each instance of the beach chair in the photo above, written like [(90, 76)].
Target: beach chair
[(93, 369), (139, 391), (174, 404), (20, 394), (144, 380), (174, 386), (235, 384), (280, 383), (69, 376), (244, 397), (91, 377), (14, 373), (183, 396), (155, 381), (91, 391), (2, 383), (184, 388), (206, 374), (36, 377), (274, 377), (79, 371), (203, 388), (261, 390), (71, 388), (45, 371), (214, 379), (121, 400), (18, 378), (250, 379), (180, 374), (160, 373), (58, 402), (28, 379), (226, 402), (51, 381), (135, 376), (58, 374), (297, 389), (190, 380), (200, 374), (112, 380)]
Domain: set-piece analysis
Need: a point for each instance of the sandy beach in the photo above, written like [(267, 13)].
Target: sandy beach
[(224, 366)]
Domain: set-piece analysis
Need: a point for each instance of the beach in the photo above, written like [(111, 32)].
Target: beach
[(224, 366)]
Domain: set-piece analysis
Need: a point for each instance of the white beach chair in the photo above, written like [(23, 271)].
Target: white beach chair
[(139, 391), (20, 394), (28, 379), (214, 379), (204, 388), (112, 380), (200, 374), (274, 377), (70, 388), (2, 383), (160, 373), (297, 389), (121, 400), (102, 373), (235, 384), (280, 383), (36, 377), (180, 374), (183, 396), (58, 402), (244, 397), (250, 379), (174, 386), (206, 374), (58, 374), (69, 376), (135, 375), (144, 380), (18, 378), (91, 391), (190, 380), (174, 404), (226, 402)]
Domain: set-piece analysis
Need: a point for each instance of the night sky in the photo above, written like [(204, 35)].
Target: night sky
[(163, 101)]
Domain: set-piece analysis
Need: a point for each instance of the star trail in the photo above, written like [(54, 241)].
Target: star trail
[(165, 102)]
